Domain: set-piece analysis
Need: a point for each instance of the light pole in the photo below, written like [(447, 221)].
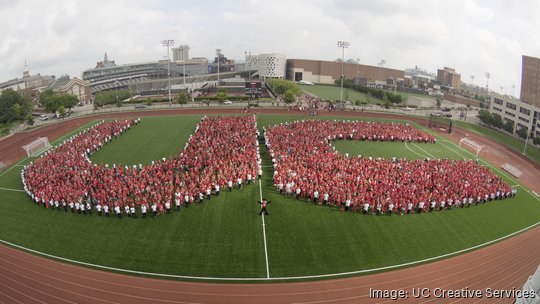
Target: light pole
[(343, 45), (529, 130), (218, 54), (184, 71), (358, 69), (116, 90), (168, 43)]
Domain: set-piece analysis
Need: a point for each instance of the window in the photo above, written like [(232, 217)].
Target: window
[(524, 111), (498, 101), (511, 105)]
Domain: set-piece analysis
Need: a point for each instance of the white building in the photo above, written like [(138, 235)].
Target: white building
[(521, 113), (268, 65), (181, 53)]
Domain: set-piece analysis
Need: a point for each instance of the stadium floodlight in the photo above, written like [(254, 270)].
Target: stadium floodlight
[(343, 45), (218, 54), (168, 43)]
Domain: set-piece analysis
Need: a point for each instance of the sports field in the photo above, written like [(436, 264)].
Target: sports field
[(225, 237)]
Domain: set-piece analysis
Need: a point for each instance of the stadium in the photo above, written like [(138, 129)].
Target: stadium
[(221, 238)]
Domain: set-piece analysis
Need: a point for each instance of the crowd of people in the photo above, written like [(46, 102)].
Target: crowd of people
[(222, 154), (306, 166)]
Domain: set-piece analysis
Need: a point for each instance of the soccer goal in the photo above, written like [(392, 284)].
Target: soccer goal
[(37, 146), (471, 143)]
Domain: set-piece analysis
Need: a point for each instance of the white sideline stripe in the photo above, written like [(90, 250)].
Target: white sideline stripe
[(421, 155), (8, 189), (494, 168), (275, 278), (264, 235)]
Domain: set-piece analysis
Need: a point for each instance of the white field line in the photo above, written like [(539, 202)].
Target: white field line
[(390, 267), (15, 190), (493, 167), (418, 146), (264, 235), (421, 155)]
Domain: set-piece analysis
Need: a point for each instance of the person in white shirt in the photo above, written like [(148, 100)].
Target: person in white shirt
[(390, 209), (432, 205), (208, 192), (315, 197), (347, 203), (126, 210), (379, 208), (118, 211), (83, 211), (249, 177), (409, 207), (186, 199), (77, 207), (239, 183), (106, 210), (168, 206), (366, 208), (154, 209), (177, 198), (326, 196), (229, 185), (132, 211), (98, 209), (143, 210), (420, 207)]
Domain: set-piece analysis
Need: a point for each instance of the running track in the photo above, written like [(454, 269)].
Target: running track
[(27, 278)]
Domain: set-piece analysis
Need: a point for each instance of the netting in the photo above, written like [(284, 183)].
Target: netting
[(471, 143), (443, 123), (37, 146)]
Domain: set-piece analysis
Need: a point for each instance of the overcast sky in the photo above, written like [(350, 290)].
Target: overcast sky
[(474, 37)]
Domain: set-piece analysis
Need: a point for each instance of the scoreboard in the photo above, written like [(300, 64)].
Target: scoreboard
[(253, 89)]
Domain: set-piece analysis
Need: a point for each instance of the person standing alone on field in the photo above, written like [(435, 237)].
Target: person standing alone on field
[(264, 203)]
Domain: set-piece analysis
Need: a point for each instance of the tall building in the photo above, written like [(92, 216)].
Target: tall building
[(267, 65), (181, 53), (530, 80), (448, 77)]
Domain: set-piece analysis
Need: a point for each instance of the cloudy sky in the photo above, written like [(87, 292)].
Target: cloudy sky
[(473, 36)]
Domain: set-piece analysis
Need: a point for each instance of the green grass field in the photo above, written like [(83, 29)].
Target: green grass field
[(224, 236), (333, 93)]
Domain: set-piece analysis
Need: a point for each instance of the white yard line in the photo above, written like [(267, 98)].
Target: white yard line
[(424, 150), (264, 235), (8, 189), (421, 155)]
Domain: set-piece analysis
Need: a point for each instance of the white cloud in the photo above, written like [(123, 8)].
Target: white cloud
[(58, 37)]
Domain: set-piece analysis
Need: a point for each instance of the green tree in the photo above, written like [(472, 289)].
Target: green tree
[(496, 120), (182, 98), (61, 111), (30, 120), (52, 103), (536, 140), (110, 97), (13, 106), (222, 96), (289, 96), (439, 100), (508, 126), (522, 132), (485, 117), (44, 95)]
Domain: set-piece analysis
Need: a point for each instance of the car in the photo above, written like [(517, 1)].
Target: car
[(43, 117), (448, 115), (437, 114), (446, 109), (227, 102)]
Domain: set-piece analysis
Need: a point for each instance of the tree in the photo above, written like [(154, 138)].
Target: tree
[(439, 100), (496, 120), (222, 96), (182, 98), (52, 103), (508, 126), (61, 111), (44, 95), (110, 97), (536, 140), (522, 132), (13, 106), (485, 117), (30, 120), (289, 96)]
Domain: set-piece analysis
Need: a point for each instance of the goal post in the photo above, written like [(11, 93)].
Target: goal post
[(37, 146), (472, 144)]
